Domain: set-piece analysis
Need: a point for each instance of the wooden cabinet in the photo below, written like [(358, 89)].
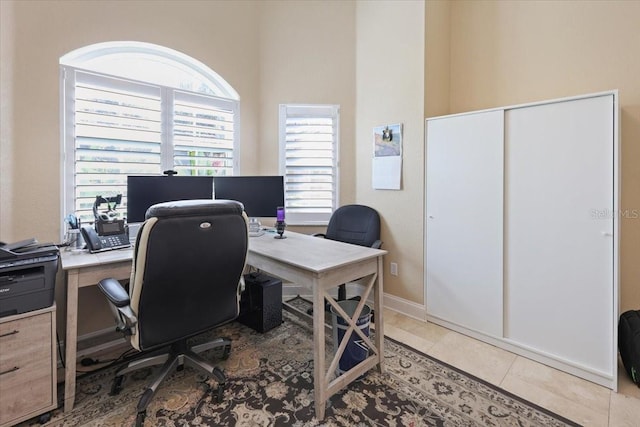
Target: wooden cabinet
[(27, 365), (522, 230)]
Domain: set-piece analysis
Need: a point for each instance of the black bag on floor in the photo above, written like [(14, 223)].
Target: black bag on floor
[(629, 343)]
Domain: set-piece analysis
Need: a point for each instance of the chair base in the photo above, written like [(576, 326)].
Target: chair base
[(179, 354)]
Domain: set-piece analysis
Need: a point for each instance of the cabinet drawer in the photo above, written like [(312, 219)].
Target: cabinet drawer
[(25, 366)]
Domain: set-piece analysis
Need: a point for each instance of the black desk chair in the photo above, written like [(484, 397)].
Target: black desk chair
[(185, 280), (356, 224)]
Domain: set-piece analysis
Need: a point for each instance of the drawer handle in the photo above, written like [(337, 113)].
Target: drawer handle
[(9, 333), (15, 368)]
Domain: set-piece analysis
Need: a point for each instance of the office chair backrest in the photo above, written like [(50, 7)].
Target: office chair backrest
[(357, 224), (187, 266)]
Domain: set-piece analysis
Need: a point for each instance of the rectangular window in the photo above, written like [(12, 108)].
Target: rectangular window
[(309, 161), (115, 127)]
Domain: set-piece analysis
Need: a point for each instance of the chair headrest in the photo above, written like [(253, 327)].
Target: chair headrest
[(194, 208)]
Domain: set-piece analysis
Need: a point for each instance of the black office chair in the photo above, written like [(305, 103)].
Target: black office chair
[(185, 280), (356, 224)]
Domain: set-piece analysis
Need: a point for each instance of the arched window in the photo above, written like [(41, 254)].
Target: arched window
[(132, 108)]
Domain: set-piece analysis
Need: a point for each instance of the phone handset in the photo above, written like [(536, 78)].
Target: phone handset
[(91, 238)]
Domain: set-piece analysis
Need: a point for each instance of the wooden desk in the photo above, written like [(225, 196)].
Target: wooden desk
[(84, 269), (317, 263), (322, 265)]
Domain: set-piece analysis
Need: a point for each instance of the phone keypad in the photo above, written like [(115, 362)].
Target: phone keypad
[(116, 241)]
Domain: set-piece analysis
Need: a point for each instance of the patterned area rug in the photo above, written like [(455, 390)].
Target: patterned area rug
[(270, 383)]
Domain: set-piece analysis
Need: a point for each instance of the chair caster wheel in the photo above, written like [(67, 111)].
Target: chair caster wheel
[(116, 387), (226, 351), (140, 418), (44, 418), (220, 393)]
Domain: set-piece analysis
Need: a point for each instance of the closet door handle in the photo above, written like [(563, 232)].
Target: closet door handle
[(9, 334), (8, 371)]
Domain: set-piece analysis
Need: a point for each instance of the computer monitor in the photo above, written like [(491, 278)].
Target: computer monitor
[(145, 191), (260, 195)]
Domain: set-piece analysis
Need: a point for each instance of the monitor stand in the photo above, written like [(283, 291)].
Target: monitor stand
[(255, 228)]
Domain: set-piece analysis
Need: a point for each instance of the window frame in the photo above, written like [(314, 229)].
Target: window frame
[(72, 64)]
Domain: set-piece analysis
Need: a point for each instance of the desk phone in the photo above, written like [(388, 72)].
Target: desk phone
[(96, 243)]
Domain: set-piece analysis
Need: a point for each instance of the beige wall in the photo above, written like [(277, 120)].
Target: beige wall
[(511, 52), (437, 61), (384, 62), (45, 30), (270, 52), (7, 55), (223, 35), (390, 47), (307, 56)]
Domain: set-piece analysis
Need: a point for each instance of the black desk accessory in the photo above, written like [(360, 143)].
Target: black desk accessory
[(261, 302), (280, 224)]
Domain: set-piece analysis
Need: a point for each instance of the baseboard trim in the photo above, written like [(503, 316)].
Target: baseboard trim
[(406, 307)]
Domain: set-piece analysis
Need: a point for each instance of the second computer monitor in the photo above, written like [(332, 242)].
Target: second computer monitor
[(145, 191), (260, 195)]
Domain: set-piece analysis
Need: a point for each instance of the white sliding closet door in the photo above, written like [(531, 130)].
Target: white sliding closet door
[(464, 206), (559, 228)]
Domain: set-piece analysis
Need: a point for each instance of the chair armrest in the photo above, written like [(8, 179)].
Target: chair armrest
[(319, 235), (114, 291), (118, 297), (377, 244)]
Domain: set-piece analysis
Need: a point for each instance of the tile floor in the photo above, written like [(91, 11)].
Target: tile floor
[(579, 400)]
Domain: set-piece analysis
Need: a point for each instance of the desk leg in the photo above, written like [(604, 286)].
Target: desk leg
[(378, 305), (71, 340), (319, 385)]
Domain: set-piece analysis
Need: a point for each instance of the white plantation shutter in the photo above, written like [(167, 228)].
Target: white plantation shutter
[(114, 127), (309, 161), (118, 132), (203, 135)]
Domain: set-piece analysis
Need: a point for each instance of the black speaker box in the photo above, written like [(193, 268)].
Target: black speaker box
[(261, 302)]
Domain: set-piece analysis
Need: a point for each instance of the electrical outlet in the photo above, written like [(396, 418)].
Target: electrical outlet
[(394, 268)]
